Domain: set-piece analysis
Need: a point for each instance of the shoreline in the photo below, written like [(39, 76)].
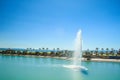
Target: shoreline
[(66, 58)]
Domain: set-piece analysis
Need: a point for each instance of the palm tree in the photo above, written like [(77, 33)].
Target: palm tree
[(53, 49), (46, 48), (107, 51), (96, 51), (30, 48), (27, 49), (24, 52), (58, 52), (118, 52), (39, 50), (52, 53), (43, 48), (58, 49), (112, 51), (88, 52), (88, 56), (47, 51), (44, 53), (102, 51), (91, 52), (19, 52)]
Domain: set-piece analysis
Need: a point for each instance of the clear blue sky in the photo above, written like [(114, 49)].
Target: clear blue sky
[(54, 23)]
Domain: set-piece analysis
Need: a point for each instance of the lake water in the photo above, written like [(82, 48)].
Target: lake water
[(34, 68)]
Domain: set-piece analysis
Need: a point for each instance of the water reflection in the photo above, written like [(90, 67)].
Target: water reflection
[(84, 72), (77, 75)]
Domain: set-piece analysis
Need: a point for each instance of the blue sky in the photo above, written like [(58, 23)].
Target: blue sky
[(54, 23)]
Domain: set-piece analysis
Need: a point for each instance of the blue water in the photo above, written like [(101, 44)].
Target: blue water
[(35, 68)]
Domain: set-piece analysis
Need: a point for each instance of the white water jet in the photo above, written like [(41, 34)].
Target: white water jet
[(77, 53), (78, 49)]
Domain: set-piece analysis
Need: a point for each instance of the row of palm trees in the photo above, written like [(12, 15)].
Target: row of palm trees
[(101, 53), (63, 53), (39, 52)]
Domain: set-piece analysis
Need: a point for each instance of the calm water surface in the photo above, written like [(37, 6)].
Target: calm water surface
[(34, 68)]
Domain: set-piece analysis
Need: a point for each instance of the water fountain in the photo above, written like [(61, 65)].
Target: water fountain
[(77, 53)]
